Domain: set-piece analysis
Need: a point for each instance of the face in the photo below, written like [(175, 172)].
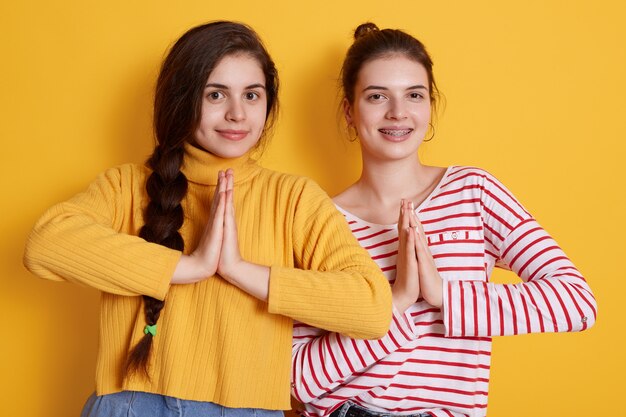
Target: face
[(391, 108), (234, 107)]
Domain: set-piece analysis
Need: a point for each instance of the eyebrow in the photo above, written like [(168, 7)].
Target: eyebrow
[(225, 87), (377, 87)]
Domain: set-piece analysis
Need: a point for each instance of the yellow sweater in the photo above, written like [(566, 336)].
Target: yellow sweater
[(214, 342)]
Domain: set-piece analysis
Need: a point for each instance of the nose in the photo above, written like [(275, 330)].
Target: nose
[(235, 111), (396, 110)]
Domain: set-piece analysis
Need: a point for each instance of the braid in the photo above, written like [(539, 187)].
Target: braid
[(163, 217)]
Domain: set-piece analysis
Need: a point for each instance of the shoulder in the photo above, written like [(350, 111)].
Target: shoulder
[(469, 177), (477, 183), (127, 170), (122, 179)]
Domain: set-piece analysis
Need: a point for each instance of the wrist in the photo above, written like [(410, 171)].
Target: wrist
[(249, 277), (189, 270), (400, 301), (233, 271), (435, 295)]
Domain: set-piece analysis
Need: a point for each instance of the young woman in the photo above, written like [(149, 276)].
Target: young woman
[(202, 256), (454, 226)]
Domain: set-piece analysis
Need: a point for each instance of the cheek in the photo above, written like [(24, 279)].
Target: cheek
[(208, 118), (422, 114), (369, 119), (259, 117)]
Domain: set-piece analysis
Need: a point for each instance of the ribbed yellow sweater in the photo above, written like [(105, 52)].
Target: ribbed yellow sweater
[(214, 342)]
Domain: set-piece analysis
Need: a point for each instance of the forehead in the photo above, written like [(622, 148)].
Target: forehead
[(392, 71), (236, 70)]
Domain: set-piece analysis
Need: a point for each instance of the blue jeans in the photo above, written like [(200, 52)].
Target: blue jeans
[(143, 404)]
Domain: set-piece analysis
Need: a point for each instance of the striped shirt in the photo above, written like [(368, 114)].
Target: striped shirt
[(437, 360)]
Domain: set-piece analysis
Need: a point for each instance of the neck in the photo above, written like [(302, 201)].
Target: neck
[(202, 167), (388, 181)]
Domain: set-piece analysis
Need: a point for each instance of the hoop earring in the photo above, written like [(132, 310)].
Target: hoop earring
[(352, 133), (431, 127)]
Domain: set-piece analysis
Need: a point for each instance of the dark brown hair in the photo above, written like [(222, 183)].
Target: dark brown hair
[(371, 43), (177, 112)]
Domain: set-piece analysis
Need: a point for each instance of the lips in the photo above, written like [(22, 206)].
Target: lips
[(232, 134), (395, 132)]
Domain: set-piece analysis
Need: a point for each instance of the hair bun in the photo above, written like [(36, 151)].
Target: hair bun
[(365, 29)]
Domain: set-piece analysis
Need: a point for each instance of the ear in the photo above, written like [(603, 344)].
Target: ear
[(347, 111)]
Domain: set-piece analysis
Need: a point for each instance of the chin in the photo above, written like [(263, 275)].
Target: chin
[(229, 150), (231, 153)]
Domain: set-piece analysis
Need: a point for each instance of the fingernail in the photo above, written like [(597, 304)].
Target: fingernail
[(411, 205)]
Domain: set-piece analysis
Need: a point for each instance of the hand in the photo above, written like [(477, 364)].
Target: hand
[(431, 283), (230, 257), (406, 288), (249, 277), (203, 262), (218, 249)]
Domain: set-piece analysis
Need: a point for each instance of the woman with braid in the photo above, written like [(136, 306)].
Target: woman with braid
[(437, 233), (203, 257)]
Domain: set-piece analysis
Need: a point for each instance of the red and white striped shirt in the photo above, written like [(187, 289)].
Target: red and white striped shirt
[(437, 360)]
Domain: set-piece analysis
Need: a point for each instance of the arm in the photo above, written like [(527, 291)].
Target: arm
[(80, 241), (554, 296), (322, 361), (338, 288)]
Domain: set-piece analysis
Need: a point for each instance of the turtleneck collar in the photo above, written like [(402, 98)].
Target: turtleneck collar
[(201, 167)]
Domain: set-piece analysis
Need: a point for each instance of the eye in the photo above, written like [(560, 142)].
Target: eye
[(376, 97), (215, 95), (416, 96), (252, 95)]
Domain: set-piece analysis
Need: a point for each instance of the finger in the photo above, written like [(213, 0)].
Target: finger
[(221, 181), (405, 214), (421, 246), (230, 187), (412, 216), (420, 232), (420, 251), (216, 234), (230, 179), (400, 215), (216, 194), (410, 250), (218, 216)]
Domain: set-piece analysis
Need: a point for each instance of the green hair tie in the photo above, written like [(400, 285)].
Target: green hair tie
[(150, 329)]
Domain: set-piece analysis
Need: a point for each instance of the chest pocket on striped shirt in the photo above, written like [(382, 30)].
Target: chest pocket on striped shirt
[(459, 254), (470, 236)]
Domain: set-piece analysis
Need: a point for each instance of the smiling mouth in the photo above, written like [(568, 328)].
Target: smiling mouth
[(232, 134), (395, 132)]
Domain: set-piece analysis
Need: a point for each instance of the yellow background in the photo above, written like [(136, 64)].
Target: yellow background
[(536, 94)]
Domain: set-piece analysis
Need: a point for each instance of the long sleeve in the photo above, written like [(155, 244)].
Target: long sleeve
[(553, 296), (79, 241), (472, 224), (335, 285), (202, 350), (323, 361)]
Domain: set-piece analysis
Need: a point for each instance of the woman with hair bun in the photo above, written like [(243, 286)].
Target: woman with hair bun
[(436, 233), (203, 257)]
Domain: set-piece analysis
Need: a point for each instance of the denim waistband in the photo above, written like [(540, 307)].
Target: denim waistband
[(349, 409), (144, 404)]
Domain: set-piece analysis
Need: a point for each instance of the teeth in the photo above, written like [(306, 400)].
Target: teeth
[(395, 132)]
